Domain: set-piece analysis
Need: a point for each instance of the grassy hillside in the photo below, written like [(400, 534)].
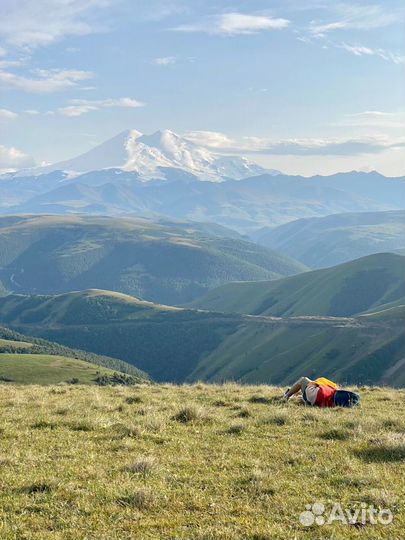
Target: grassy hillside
[(347, 351), (24, 359), (173, 344), (344, 290), (327, 241), (48, 369), (168, 262), (194, 462)]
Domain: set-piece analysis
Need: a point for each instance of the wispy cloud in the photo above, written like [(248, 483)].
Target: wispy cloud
[(299, 147), (357, 50), (361, 50), (352, 17), (78, 107), (376, 119), (35, 23), (349, 19), (165, 60), (5, 114), (233, 23), (44, 81), (12, 158)]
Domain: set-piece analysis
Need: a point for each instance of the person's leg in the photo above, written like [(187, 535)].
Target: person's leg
[(301, 384)]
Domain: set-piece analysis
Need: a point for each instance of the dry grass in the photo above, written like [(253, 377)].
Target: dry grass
[(195, 462)]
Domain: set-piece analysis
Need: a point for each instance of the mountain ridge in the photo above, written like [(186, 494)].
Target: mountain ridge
[(167, 262), (326, 241), (348, 289)]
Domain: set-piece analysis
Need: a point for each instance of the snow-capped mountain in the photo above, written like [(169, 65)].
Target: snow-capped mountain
[(150, 155)]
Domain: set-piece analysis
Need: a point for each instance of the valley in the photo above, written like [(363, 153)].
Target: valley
[(178, 345)]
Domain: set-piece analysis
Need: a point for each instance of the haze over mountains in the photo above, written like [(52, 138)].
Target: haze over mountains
[(320, 242)]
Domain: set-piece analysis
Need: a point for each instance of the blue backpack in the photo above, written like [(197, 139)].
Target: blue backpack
[(344, 398)]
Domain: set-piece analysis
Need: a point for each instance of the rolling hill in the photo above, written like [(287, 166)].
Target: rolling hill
[(177, 345), (348, 289), (49, 369), (166, 262), (331, 240), (28, 360)]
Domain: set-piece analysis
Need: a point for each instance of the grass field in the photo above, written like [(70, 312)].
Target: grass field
[(48, 369), (221, 462)]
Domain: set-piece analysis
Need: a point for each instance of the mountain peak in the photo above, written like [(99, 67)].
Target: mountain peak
[(150, 155)]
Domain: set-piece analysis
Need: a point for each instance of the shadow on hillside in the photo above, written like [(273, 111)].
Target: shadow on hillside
[(382, 453)]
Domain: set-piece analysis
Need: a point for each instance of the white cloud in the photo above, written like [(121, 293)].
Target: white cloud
[(358, 50), (352, 17), (233, 23), (83, 106), (32, 112), (73, 111), (165, 60), (379, 119), (361, 50), (372, 114), (34, 23), (12, 158), (46, 81), (300, 147), (4, 64), (3, 52), (211, 139), (5, 114)]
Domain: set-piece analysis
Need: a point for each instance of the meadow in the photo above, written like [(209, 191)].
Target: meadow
[(193, 461)]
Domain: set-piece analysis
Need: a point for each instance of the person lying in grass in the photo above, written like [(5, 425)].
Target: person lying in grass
[(322, 393)]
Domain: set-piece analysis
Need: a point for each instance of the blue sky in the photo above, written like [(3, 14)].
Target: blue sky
[(305, 87)]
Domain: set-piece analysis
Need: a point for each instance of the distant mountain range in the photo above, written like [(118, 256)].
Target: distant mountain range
[(179, 345), (330, 240), (371, 283), (164, 175), (166, 262)]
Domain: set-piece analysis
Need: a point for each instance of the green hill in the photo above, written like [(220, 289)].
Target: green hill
[(344, 290), (29, 360), (169, 262), (48, 369), (178, 345), (326, 241)]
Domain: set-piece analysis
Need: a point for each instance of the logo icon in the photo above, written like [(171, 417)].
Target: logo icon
[(313, 514)]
